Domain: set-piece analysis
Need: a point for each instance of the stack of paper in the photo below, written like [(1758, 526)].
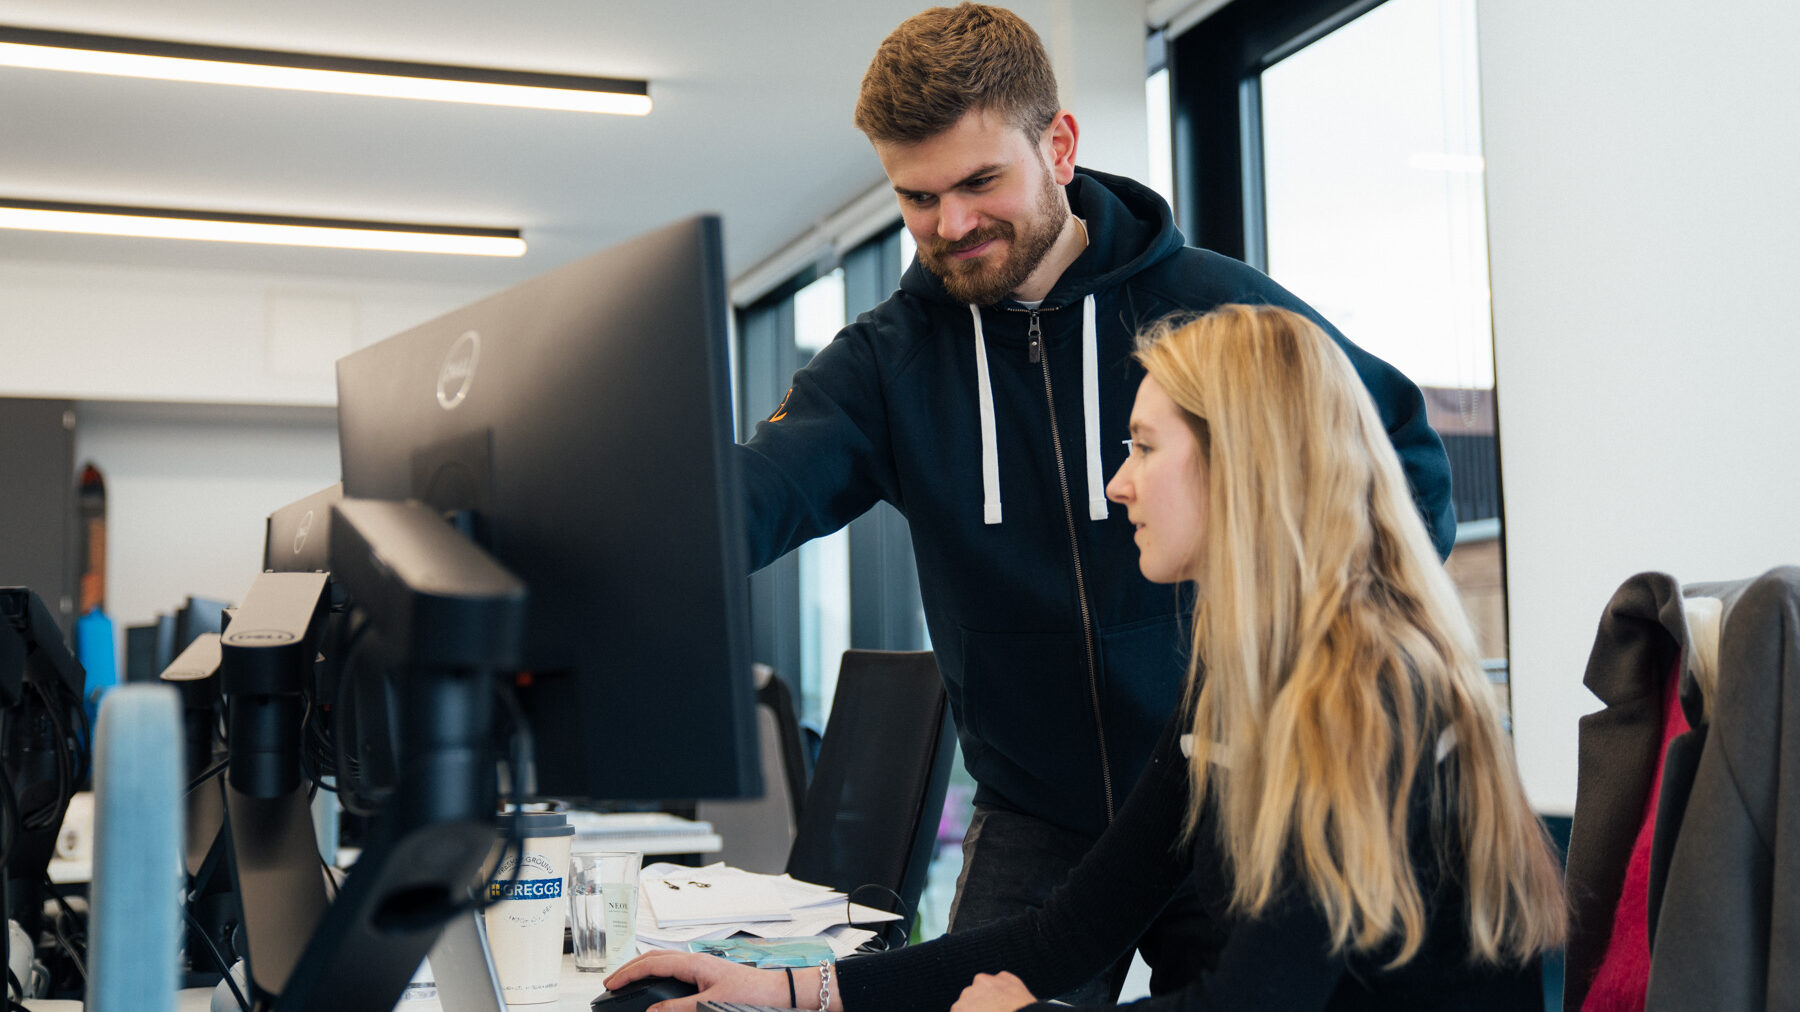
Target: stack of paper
[(712, 895), (679, 905)]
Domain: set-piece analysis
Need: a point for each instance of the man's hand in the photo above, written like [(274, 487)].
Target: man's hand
[(994, 992)]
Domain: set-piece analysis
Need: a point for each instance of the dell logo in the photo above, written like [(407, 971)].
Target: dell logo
[(458, 371), (259, 637), (306, 523)]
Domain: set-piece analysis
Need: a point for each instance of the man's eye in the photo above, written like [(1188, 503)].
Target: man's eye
[(919, 199), (980, 182)]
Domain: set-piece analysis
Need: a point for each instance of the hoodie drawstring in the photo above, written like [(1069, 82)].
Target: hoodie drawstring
[(990, 450), (1090, 400)]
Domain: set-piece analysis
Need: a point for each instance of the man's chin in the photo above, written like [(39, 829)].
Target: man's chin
[(980, 287)]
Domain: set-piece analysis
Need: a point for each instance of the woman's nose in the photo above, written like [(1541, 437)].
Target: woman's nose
[(1118, 489)]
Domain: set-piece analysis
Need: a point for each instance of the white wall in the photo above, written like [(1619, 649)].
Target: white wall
[(204, 336), (1098, 52), (1642, 209), (190, 481), (187, 490)]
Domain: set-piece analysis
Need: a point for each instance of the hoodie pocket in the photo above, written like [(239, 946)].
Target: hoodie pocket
[(1025, 701), (1145, 663)]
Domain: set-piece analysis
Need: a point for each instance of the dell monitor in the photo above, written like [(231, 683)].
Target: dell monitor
[(295, 540), (196, 618), (577, 427)]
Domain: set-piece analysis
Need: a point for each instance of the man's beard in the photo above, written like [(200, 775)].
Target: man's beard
[(984, 283)]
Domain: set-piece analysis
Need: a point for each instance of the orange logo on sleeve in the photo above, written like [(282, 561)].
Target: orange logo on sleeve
[(781, 412)]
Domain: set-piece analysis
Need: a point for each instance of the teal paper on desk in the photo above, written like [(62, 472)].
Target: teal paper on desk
[(768, 952)]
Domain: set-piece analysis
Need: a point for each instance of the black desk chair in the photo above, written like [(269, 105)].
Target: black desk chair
[(872, 810), (759, 832)]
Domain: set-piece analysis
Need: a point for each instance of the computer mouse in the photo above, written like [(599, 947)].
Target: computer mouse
[(641, 994)]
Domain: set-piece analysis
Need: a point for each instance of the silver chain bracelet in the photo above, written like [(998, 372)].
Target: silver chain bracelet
[(824, 984)]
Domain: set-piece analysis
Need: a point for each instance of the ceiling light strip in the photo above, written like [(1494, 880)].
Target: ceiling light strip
[(42, 49), (167, 223)]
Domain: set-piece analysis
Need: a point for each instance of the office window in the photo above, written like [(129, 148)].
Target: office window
[(1372, 188), (824, 562), (1162, 155), (1337, 146), (859, 586)]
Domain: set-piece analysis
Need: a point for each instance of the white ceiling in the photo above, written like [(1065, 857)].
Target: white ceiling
[(752, 119)]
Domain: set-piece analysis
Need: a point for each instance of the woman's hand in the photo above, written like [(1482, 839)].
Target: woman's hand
[(994, 992), (718, 980)]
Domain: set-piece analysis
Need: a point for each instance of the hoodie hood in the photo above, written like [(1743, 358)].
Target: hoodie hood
[(1129, 228)]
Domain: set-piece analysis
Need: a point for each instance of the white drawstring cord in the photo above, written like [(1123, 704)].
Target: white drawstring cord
[(990, 450), (1090, 404)]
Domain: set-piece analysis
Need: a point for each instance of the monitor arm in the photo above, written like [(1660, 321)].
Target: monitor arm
[(266, 655), (446, 618)]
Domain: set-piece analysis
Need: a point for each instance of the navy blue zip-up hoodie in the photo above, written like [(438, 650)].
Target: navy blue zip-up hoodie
[(1048, 637)]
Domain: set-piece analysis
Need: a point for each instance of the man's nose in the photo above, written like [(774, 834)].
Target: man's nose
[(956, 218)]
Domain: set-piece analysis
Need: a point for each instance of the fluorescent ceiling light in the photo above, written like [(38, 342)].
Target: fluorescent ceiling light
[(165, 223), (42, 49)]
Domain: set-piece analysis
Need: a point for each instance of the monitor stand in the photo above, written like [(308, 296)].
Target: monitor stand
[(463, 965), (447, 619)]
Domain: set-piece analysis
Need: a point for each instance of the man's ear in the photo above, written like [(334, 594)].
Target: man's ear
[(1058, 146)]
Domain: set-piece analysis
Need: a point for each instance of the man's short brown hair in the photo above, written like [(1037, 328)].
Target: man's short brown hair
[(948, 61)]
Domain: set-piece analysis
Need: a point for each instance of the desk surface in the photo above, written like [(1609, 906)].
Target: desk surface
[(575, 990)]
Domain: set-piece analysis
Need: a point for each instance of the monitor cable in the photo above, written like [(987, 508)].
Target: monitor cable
[(14, 987), (194, 928), (521, 784), (76, 952), (10, 820), (881, 942), (218, 767)]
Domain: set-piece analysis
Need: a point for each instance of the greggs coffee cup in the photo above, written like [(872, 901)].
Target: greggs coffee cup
[(525, 922)]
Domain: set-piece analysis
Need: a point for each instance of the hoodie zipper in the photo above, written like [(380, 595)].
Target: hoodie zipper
[(1036, 355)]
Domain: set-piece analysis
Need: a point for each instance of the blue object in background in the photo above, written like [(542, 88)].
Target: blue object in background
[(97, 650)]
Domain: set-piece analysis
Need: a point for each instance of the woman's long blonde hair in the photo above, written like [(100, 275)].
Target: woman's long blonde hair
[(1335, 653)]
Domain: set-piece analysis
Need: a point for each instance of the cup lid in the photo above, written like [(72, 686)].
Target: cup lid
[(531, 825)]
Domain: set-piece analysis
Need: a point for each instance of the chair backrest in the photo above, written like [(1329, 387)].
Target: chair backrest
[(872, 810), (758, 832)]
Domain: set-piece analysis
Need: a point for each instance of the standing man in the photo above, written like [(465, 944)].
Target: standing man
[(988, 400)]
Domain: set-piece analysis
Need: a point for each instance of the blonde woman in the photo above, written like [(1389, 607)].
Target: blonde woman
[(1336, 782)]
